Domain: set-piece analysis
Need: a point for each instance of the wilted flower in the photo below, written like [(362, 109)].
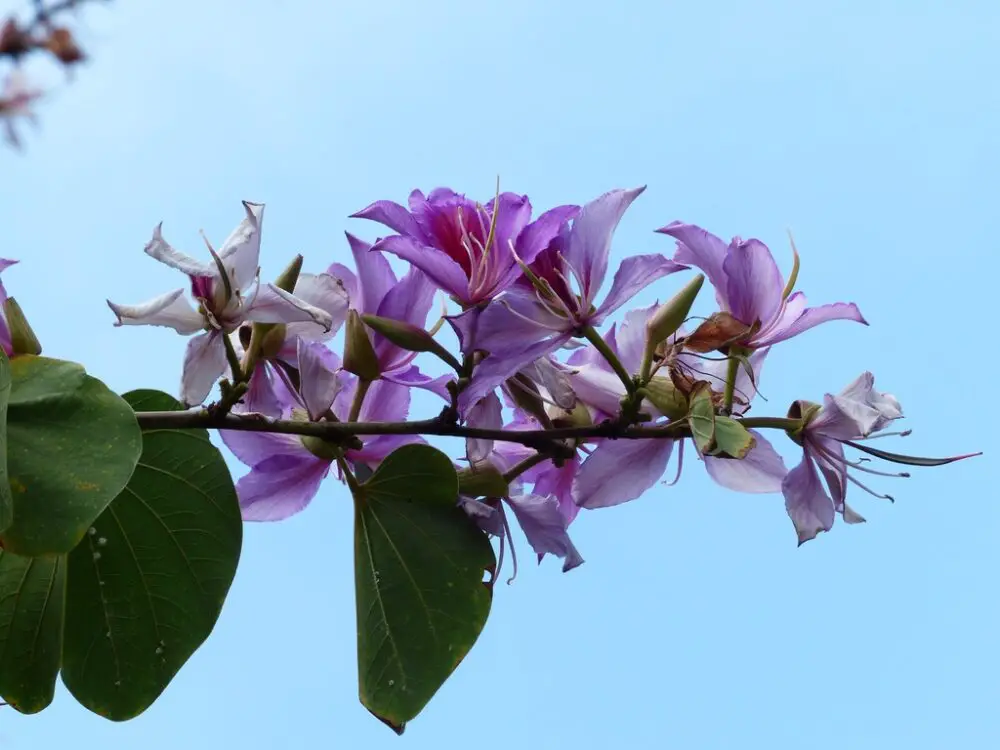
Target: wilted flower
[(228, 292), (15, 102)]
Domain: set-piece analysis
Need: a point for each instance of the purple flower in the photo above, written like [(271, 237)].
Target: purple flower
[(376, 291), (287, 470), (749, 286), (228, 292), (4, 330), (524, 326), (621, 470), (467, 249)]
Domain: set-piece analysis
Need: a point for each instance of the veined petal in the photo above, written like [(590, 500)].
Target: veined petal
[(466, 327), (538, 234), (703, 250), (326, 293), (253, 448), (557, 481), (442, 270), (240, 253), (590, 239), (808, 505), (810, 318), (170, 310), (515, 320), (598, 387), (857, 411), (272, 304), (204, 363), (553, 376), (350, 282), (377, 447), (829, 458), (262, 396), (633, 275), (411, 377), (630, 339), (620, 470), (385, 402), (754, 284), (487, 413), (375, 276), (392, 215), (545, 528), (486, 517), (409, 301), (159, 249), (280, 486), (318, 378), (761, 470)]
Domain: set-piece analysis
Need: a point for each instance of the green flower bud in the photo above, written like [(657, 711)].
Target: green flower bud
[(290, 276), (359, 355), (22, 338), (671, 315), (409, 337)]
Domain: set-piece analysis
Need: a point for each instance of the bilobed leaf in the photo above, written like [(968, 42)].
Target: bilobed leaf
[(147, 583), (71, 447), (32, 590), (701, 418), (732, 438), (419, 567), (6, 503)]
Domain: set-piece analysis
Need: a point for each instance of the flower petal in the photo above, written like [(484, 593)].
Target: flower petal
[(620, 470), (327, 293), (502, 364), (385, 402), (378, 447), (171, 310), (253, 448), (318, 378), (703, 250), (272, 304), (486, 516), (590, 239), (761, 470), (392, 215), (487, 413), (808, 505), (160, 250), (810, 318), (411, 377), (538, 234), (409, 301), (375, 276), (754, 284), (514, 321), (437, 264), (597, 387), (204, 363), (553, 376), (280, 486), (857, 411), (240, 253), (633, 275), (545, 528), (262, 396), (557, 481), (630, 339)]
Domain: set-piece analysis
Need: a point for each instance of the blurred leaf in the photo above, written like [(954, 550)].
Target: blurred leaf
[(71, 447), (146, 585), (32, 590), (6, 503), (701, 418), (419, 567)]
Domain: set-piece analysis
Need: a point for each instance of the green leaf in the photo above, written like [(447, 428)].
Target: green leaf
[(146, 585), (71, 447), (701, 417), (732, 438), (32, 590), (6, 503), (419, 567)]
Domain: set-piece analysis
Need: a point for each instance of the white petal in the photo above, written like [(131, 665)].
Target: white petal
[(204, 363), (326, 293), (161, 250), (274, 305), (171, 310), (240, 253)]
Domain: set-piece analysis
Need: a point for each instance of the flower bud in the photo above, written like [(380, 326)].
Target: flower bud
[(668, 399), (671, 315), (22, 338), (409, 337), (273, 340), (290, 276), (359, 355), (482, 481)]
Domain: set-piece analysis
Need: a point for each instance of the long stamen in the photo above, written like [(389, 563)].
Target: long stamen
[(513, 550), (680, 466), (869, 490), (900, 433), (526, 319)]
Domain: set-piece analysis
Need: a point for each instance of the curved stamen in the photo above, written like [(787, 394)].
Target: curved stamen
[(901, 433), (869, 490), (525, 318), (513, 550), (680, 466)]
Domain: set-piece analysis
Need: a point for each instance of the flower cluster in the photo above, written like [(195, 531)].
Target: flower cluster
[(557, 415)]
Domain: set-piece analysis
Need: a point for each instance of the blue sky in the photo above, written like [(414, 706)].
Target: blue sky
[(868, 128)]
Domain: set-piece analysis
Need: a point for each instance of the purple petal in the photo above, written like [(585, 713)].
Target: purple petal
[(204, 363), (466, 326), (810, 318), (272, 304), (630, 339), (487, 413), (634, 275), (486, 516), (515, 321), (598, 387), (557, 481), (377, 448), (502, 364), (703, 250), (318, 382), (350, 282), (170, 310), (857, 411), (253, 448), (590, 239), (754, 285), (553, 376), (807, 503), (829, 458), (437, 264), (375, 276), (385, 402), (261, 396), (280, 486), (409, 301), (620, 470), (545, 528), (240, 253), (539, 233), (411, 377), (761, 470), (392, 215)]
